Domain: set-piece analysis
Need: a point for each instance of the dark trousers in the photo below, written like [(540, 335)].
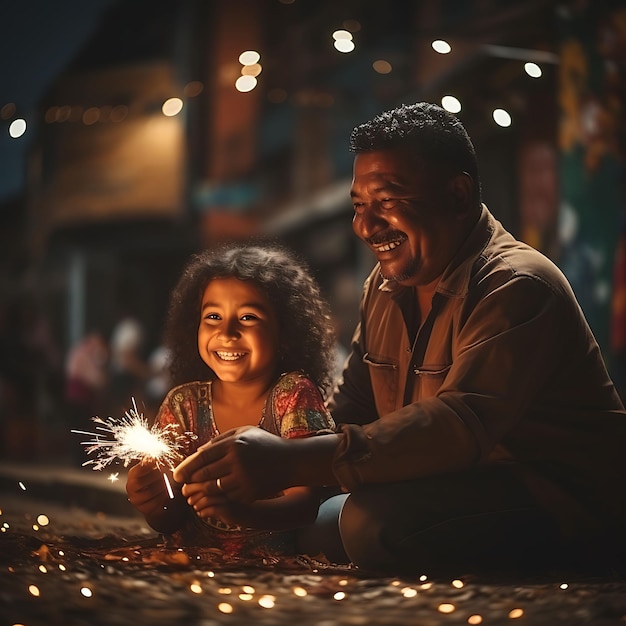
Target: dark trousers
[(479, 520)]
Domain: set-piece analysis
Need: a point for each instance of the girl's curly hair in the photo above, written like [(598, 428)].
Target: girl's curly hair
[(303, 315)]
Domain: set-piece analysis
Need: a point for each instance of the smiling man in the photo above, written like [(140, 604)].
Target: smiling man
[(477, 423)]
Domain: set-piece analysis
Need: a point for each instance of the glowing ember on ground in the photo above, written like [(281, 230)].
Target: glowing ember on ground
[(267, 601)]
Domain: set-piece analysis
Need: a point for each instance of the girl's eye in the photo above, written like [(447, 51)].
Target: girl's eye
[(249, 317), (212, 316)]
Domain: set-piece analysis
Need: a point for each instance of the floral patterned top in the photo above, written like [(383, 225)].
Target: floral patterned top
[(294, 408)]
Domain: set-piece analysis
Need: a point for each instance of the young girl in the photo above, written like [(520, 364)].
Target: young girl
[(251, 342)]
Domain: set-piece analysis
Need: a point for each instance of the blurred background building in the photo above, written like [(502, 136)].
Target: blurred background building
[(180, 125)]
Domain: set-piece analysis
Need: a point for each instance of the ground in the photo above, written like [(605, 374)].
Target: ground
[(77, 566)]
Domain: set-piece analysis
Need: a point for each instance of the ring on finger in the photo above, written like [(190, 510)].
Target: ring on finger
[(218, 482)]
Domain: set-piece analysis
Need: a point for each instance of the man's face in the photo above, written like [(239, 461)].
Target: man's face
[(406, 215)]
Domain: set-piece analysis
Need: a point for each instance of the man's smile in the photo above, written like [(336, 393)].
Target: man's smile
[(387, 243)]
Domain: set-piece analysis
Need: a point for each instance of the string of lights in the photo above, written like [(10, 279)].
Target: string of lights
[(251, 67)]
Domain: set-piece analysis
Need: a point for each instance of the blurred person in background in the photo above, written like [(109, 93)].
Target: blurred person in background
[(159, 381), (128, 369), (86, 380)]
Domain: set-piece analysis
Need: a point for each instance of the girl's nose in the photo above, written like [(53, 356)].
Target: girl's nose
[(230, 329)]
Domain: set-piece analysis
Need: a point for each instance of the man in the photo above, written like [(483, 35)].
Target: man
[(477, 424)]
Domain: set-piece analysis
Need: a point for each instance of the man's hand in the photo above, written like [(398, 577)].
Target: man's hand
[(243, 464)]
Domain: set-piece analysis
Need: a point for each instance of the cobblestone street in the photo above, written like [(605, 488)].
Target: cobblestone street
[(80, 566)]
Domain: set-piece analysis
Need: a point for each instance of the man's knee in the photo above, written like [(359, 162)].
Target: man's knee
[(363, 528)]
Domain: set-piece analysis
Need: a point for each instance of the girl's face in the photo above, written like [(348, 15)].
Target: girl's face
[(238, 331)]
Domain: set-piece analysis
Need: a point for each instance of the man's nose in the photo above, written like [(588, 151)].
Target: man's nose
[(368, 220)]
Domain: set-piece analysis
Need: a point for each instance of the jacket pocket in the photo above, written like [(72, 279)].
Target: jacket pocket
[(383, 373), (430, 378)]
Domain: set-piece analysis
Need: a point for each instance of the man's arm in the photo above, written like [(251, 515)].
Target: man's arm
[(253, 464)]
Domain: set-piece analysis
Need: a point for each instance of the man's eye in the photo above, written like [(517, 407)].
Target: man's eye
[(387, 203)]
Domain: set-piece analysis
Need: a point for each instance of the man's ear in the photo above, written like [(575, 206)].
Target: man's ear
[(461, 189)]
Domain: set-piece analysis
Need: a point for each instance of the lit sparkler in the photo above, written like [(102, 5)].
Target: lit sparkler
[(131, 438)]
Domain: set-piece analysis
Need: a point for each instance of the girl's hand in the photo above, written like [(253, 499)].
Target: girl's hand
[(292, 508), (221, 508), (204, 498), (146, 490)]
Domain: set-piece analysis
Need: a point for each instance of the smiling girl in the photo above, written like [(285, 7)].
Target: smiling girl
[(252, 340)]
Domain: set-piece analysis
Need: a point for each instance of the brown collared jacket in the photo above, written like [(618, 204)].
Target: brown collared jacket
[(504, 370)]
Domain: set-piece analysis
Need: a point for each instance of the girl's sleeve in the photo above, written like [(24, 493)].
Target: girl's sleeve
[(176, 410), (299, 408), (165, 414)]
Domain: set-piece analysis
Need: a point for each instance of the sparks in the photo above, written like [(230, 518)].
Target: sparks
[(168, 486), (132, 439)]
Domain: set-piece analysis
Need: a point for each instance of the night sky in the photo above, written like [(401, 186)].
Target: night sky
[(38, 39)]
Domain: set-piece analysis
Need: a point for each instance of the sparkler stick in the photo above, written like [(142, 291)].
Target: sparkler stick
[(131, 438)]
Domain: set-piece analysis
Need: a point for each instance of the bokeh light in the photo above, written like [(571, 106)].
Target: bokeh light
[(16, 129), (532, 69), (342, 34), (441, 46), (245, 83), (251, 70), (249, 57), (501, 118), (344, 45), (172, 106), (451, 104), (382, 67)]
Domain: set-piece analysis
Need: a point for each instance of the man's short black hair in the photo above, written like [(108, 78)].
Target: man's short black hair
[(426, 130)]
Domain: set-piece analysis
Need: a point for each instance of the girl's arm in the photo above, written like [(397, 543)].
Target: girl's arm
[(294, 507)]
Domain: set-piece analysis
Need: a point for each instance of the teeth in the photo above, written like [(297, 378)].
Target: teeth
[(229, 356), (387, 246)]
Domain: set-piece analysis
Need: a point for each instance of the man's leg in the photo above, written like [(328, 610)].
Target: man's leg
[(322, 537), (473, 520)]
